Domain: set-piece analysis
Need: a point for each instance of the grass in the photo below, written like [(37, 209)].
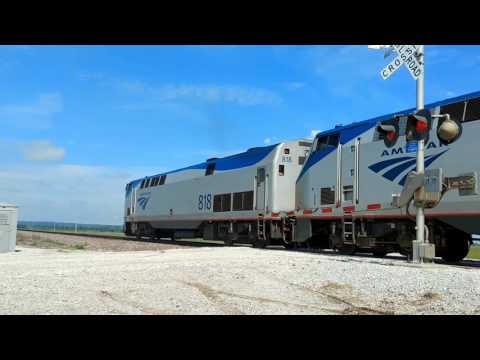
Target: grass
[(47, 243), (81, 246), (474, 252)]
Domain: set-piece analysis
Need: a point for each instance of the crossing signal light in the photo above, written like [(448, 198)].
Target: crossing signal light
[(418, 125), (389, 132)]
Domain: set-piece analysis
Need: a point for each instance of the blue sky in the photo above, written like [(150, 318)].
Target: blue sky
[(78, 122)]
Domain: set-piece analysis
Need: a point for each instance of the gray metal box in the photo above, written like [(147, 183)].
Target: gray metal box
[(423, 250), (433, 180), (8, 227)]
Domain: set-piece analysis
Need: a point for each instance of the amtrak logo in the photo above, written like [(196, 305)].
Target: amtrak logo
[(403, 165), (143, 201), (393, 151)]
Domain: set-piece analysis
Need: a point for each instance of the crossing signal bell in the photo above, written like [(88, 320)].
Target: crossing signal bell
[(449, 130), (419, 125)]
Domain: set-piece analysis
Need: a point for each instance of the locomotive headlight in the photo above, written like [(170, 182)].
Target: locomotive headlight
[(448, 131)]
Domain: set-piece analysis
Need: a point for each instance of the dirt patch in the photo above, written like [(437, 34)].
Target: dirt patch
[(426, 299), (72, 242), (336, 286)]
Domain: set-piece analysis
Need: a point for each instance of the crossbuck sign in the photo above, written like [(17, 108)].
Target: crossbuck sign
[(406, 55)]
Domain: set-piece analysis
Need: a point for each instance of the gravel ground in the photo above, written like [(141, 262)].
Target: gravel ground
[(228, 280)]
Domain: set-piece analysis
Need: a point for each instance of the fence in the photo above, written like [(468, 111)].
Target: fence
[(69, 227)]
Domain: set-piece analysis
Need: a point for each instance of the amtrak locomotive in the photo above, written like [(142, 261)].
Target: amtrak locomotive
[(353, 188)]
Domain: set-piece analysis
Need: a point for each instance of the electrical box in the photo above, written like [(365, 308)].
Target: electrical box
[(8, 227), (432, 192), (469, 187), (426, 251)]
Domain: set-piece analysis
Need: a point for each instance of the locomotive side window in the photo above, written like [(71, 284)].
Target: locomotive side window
[(222, 202), (455, 110), (327, 196), (248, 200), (243, 201), (281, 170), (162, 180), (348, 193), (473, 110), (210, 169), (305, 144)]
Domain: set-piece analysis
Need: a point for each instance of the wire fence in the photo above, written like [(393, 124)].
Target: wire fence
[(69, 227)]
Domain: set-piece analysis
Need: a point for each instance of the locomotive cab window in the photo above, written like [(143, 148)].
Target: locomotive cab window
[(162, 180), (327, 142), (210, 169), (455, 110), (281, 170), (473, 110)]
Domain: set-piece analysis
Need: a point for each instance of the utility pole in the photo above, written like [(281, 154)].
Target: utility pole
[(412, 57), (420, 216)]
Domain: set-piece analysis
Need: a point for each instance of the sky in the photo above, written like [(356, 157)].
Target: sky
[(79, 122)]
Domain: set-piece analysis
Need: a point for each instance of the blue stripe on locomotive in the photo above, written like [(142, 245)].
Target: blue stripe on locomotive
[(353, 130), (233, 162)]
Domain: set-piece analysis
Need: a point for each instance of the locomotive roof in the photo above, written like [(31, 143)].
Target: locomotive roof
[(373, 121), (246, 158)]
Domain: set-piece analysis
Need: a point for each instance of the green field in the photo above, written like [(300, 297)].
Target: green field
[(474, 252)]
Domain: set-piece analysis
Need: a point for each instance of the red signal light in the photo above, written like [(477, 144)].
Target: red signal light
[(391, 136), (421, 126)]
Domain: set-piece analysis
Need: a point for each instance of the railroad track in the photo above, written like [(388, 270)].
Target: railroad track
[(123, 237), (200, 243)]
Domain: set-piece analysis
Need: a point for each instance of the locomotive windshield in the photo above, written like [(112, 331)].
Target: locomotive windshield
[(326, 142)]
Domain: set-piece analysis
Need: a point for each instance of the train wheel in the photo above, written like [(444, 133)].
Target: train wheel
[(347, 250), (379, 253), (259, 244), (289, 246), (228, 241), (457, 247)]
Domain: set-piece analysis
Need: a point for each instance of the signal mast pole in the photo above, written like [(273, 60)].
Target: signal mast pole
[(420, 215)]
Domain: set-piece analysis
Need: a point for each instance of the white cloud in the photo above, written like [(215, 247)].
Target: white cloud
[(46, 104), (42, 151), (34, 114), (218, 93), (313, 133), (92, 76), (212, 93), (292, 86), (267, 141), (68, 193), (132, 86), (218, 153)]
